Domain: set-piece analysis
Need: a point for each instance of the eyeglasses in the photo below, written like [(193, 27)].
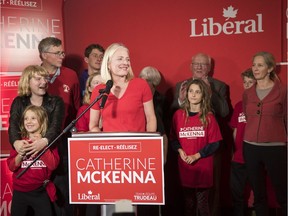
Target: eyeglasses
[(94, 55), (58, 54), (200, 64)]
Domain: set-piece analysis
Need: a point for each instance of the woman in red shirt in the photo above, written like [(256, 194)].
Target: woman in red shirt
[(129, 106)]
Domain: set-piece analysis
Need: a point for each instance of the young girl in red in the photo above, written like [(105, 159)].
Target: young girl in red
[(34, 188), (82, 125), (195, 135)]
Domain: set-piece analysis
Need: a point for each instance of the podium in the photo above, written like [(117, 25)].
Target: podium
[(107, 167)]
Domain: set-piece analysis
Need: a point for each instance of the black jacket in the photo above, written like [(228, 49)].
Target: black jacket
[(54, 107)]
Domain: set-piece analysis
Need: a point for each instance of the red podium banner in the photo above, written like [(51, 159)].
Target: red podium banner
[(103, 170)]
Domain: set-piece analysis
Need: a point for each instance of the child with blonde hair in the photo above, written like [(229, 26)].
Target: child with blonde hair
[(34, 188)]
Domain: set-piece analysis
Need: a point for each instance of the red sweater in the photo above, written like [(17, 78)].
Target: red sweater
[(82, 125), (67, 86), (267, 118)]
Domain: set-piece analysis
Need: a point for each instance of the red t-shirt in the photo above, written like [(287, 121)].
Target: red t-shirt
[(35, 176), (238, 121), (82, 125), (126, 113), (193, 136)]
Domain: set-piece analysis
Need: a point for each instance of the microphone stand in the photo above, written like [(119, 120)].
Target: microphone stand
[(68, 128)]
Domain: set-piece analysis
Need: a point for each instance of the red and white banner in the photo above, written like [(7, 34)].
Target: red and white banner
[(104, 170), (9, 85), (6, 188), (23, 25)]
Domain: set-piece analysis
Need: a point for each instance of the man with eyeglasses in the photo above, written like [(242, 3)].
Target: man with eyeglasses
[(93, 57), (63, 82), (201, 68)]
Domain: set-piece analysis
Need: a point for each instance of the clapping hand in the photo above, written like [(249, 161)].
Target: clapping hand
[(182, 91)]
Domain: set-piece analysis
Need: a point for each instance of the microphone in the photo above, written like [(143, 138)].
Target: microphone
[(105, 93)]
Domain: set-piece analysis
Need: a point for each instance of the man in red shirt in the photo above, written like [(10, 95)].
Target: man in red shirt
[(64, 83)]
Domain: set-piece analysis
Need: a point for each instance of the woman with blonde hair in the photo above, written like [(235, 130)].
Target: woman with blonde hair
[(129, 106), (265, 137), (32, 90), (132, 96)]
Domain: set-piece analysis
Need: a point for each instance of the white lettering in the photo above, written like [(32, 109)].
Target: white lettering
[(211, 28), (116, 177)]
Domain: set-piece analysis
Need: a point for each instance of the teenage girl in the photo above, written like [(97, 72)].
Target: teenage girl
[(195, 135)]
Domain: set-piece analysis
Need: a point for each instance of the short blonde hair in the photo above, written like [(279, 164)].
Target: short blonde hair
[(151, 75), (27, 74), (110, 51)]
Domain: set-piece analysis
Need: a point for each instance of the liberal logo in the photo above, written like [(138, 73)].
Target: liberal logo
[(89, 196), (208, 27)]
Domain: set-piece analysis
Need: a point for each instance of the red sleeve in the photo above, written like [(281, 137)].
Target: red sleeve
[(235, 115), (214, 133), (244, 99), (51, 158), (147, 93), (11, 161), (82, 125)]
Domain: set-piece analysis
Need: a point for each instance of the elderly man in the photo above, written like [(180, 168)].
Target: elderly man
[(200, 67)]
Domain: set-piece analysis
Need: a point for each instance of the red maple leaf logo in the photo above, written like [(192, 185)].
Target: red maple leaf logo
[(229, 12)]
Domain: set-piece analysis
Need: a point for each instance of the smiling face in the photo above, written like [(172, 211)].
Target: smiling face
[(31, 122), (38, 85), (260, 68), (119, 63)]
